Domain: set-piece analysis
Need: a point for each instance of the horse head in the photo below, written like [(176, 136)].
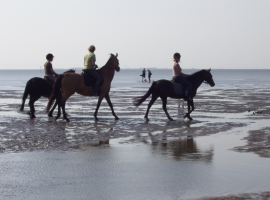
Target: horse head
[(115, 63), (209, 78)]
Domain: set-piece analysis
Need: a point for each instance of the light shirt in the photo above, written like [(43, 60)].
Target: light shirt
[(177, 71), (47, 68), (88, 60)]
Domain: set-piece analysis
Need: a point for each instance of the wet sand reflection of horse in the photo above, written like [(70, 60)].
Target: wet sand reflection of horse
[(183, 149), (67, 84), (164, 89), (35, 88)]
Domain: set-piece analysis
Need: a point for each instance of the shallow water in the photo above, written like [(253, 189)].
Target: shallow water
[(131, 158), (179, 168)]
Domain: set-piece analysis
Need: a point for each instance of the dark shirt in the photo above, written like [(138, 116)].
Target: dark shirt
[(47, 68)]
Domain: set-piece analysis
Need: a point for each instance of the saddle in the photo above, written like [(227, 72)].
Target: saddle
[(178, 88), (90, 80), (48, 80)]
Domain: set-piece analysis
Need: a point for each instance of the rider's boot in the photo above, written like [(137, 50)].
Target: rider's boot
[(95, 92)]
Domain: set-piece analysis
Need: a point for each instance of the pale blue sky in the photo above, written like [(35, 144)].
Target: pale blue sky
[(145, 33)]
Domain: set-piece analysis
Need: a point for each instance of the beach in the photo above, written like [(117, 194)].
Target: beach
[(222, 154)]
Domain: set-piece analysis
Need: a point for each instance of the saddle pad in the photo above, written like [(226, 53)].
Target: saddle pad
[(89, 80), (178, 89)]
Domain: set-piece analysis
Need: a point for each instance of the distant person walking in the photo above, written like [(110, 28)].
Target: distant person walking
[(48, 69), (149, 75), (143, 74)]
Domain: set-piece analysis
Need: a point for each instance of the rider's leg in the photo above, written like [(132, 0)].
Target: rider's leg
[(183, 82), (51, 77), (188, 89), (95, 74)]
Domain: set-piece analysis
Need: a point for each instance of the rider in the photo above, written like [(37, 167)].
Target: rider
[(90, 68), (180, 77), (48, 69)]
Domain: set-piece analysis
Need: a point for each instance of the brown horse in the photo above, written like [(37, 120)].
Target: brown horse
[(67, 84), (164, 89)]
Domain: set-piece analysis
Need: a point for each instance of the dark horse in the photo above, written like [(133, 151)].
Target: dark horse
[(164, 89), (37, 87), (68, 84)]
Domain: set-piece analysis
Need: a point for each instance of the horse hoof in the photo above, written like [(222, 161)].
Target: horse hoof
[(146, 119), (67, 119), (171, 119), (33, 117), (116, 118), (50, 115)]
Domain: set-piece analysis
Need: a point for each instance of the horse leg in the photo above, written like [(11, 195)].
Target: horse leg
[(32, 107), (98, 104), (190, 104), (22, 106), (164, 104), (51, 111), (192, 108), (154, 98), (63, 105), (59, 111), (107, 97)]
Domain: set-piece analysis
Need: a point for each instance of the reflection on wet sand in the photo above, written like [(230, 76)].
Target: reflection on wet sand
[(182, 148)]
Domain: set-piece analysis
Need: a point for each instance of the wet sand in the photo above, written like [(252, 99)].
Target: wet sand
[(240, 112)]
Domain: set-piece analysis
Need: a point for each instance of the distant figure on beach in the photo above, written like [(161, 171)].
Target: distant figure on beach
[(149, 75), (143, 74), (180, 77), (90, 68), (48, 69)]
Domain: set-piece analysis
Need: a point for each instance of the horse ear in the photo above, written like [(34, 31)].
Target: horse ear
[(116, 55), (208, 70)]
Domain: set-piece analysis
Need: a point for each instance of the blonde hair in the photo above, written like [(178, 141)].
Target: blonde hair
[(92, 48)]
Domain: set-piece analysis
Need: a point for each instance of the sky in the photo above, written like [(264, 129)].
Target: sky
[(218, 34)]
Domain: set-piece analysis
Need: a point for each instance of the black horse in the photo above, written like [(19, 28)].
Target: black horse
[(164, 89), (37, 87)]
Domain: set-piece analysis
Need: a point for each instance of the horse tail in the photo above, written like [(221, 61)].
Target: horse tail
[(139, 100), (26, 93), (55, 92)]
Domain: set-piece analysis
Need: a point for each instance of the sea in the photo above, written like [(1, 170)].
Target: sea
[(130, 78)]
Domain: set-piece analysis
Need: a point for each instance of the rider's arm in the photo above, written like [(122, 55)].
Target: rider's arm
[(53, 71), (94, 63)]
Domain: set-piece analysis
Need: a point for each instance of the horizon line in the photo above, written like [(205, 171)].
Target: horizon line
[(153, 68)]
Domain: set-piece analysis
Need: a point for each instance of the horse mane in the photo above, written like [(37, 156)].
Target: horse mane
[(198, 72), (111, 55), (70, 71), (195, 74)]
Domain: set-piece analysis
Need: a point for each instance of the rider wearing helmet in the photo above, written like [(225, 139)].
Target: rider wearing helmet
[(48, 69)]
